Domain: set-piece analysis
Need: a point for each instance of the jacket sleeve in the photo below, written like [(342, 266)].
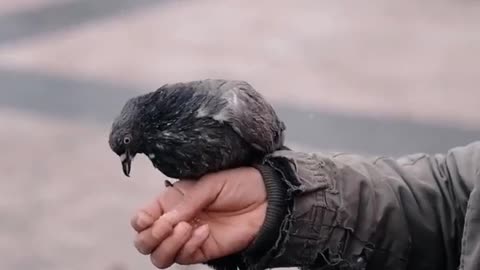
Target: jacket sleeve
[(345, 211)]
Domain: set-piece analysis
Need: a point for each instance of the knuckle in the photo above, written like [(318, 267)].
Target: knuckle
[(133, 222), (158, 261), (141, 220), (145, 243), (144, 218), (184, 227), (142, 250), (141, 246), (182, 259), (161, 229)]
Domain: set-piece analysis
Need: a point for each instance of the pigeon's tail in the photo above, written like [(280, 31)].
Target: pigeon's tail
[(284, 147), (283, 127)]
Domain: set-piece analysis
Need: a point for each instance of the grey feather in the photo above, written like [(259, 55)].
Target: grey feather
[(190, 129)]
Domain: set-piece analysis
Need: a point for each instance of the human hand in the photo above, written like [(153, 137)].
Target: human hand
[(197, 221)]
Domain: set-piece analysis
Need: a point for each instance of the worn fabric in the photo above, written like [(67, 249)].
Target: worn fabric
[(355, 212)]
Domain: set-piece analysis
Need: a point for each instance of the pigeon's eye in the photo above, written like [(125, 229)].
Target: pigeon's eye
[(127, 140)]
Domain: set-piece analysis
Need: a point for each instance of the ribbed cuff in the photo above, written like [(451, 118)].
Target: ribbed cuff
[(255, 256), (275, 214)]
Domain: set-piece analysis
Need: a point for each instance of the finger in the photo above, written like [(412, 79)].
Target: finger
[(147, 240), (194, 200), (145, 217), (164, 255), (191, 252)]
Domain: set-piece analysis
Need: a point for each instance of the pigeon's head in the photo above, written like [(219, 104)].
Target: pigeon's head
[(125, 136)]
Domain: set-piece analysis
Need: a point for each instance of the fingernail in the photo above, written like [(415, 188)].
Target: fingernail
[(202, 232), (171, 217), (164, 223), (157, 231), (144, 220), (161, 228), (184, 227)]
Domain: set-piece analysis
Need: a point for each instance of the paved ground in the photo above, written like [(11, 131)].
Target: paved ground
[(373, 77)]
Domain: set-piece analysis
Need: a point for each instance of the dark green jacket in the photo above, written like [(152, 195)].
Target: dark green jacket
[(345, 211)]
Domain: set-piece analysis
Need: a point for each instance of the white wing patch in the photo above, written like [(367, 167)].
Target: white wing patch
[(222, 116), (202, 112), (233, 105), (234, 100)]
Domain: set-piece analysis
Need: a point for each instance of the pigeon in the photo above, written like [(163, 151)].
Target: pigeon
[(189, 129)]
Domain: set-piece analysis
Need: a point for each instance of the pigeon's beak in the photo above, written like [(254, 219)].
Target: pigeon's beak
[(126, 159)]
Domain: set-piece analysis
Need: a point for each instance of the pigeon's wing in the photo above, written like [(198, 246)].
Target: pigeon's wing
[(239, 105)]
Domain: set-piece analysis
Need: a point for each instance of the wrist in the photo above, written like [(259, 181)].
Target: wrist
[(274, 215), (270, 226)]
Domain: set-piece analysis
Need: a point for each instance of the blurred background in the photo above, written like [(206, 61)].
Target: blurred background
[(372, 77)]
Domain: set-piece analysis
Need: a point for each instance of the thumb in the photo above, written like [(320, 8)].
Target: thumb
[(196, 197)]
